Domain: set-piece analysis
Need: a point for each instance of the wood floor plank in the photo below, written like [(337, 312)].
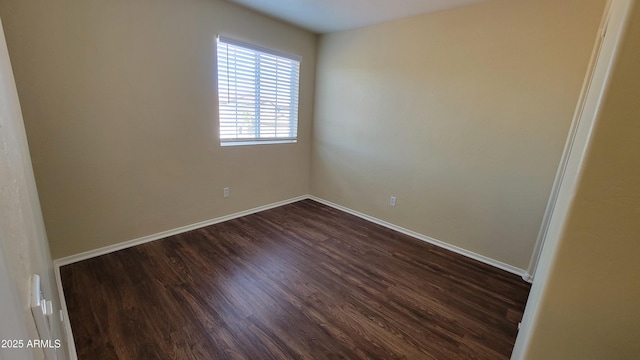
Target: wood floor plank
[(302, 281)]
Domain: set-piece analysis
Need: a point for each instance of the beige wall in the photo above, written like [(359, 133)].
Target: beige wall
[(120, 107), (589, 309), (461, 114), (23, 243)]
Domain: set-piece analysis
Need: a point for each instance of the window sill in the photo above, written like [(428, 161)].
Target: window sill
[(259, 142)]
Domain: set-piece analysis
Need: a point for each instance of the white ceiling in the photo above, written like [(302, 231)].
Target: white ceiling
[(323, 16)]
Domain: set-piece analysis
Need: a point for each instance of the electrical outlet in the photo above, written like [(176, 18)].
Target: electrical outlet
[(392, 201), (226, 192)]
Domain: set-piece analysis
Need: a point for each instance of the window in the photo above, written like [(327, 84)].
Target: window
[(257, 93)]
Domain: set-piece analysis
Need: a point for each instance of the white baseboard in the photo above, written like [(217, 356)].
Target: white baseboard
[(495, 263), (161, 235), (127, 244), (145, 239), (70, 343)]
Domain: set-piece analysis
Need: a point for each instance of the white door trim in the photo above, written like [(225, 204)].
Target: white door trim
[(618, 15), (571, 137)]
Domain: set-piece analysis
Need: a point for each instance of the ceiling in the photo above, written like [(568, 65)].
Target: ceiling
[(323, 16)]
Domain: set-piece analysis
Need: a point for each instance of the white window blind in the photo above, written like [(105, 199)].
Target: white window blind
[(257, 93)]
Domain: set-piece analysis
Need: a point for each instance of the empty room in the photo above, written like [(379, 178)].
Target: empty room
[(245, 179)]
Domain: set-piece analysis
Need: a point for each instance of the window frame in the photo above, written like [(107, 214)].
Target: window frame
[(292, 93)]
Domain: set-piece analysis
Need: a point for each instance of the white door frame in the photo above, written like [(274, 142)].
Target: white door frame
[(571, 138), (570, 171)]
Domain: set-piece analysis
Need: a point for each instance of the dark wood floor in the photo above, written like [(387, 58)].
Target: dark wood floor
[(302, 281)]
